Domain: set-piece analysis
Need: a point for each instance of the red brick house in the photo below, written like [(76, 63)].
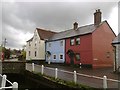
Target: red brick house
[(91, 44)]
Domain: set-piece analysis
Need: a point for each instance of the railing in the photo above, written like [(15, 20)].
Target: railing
[(13, 86), (94, 81)]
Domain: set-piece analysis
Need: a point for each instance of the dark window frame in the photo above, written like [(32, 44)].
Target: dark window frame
[(29, 53), (60, 56), (35, 53), (54, 58)]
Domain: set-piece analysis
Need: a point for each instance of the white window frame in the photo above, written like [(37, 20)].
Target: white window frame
[(53, 56), (72, 41), (77, 40), (60, 58)]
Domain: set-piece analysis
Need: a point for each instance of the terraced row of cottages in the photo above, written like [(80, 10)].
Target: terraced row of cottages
[(89, 45)]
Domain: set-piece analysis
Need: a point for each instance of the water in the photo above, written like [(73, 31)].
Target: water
[(24, 83)]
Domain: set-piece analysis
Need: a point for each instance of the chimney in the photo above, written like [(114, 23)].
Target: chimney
[(97, 17), (75, 26)]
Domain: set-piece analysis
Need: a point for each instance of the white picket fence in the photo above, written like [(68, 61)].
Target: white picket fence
[(55, 72), (14, 85)]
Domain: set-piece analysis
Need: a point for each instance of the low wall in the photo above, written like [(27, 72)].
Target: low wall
[(13, 67)]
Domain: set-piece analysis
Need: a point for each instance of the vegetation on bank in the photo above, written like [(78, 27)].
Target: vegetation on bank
[(70, 84)]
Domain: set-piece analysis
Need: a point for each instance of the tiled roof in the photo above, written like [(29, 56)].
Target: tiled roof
[(117, 40), (45, 34), (71, 33)]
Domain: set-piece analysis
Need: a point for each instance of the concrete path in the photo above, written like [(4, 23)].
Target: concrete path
[(88, 77)]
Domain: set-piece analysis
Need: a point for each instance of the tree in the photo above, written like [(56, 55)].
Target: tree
[(23, 55), (6, 52)]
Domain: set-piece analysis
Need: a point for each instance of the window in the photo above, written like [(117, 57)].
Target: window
[(49, 44), (77, 40), (72, 41), (61, 43), (54, 56), (35, 53), (29, 53), (77, 55), (29, 44), (61, 56)]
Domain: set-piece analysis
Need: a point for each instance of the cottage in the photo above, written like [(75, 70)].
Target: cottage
[(116, 44), (35, 48), (89, 45), (55, 51)]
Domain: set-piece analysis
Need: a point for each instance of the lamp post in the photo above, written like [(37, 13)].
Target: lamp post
[(3, 45)]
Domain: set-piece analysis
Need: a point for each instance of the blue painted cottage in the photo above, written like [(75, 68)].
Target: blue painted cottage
[(55, 51)]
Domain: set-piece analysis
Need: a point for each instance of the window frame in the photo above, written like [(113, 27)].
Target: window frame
[(49, 44), (35, 53), (29, 43), (77, 41), (60, 56), (76, 56), (71, 41), (61, 43), (29, 53), (53, 57)]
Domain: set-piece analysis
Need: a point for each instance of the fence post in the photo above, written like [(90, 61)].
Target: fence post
[(3, 81), (75, 77), (104, 82), (42, 69), (80, 65), (56, 73), (33, 67), (15, 86)]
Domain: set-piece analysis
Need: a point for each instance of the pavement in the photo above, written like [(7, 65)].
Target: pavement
[(85, 76), (100, 72), (14, 59)]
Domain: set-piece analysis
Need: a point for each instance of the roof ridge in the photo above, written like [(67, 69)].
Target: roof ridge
[(45, 30)]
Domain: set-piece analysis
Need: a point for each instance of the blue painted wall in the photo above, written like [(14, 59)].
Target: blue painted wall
[(56, 48)]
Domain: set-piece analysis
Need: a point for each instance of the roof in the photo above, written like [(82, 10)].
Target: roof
[(30, 39), (71, 33), (44, 34), (83, 30), (116, 40)]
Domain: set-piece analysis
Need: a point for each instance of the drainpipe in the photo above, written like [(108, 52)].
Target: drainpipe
[(114, 58)]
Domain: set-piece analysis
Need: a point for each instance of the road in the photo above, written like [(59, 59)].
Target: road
[(87, 78)]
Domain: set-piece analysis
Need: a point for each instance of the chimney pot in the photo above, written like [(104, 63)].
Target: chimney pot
[(97, 17)]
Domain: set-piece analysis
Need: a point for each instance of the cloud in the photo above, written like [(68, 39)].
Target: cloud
[(21, 18), (15, 38)]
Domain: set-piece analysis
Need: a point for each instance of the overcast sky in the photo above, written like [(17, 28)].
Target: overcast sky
[(19, 19)]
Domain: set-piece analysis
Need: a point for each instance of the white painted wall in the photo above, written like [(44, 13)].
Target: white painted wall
[(118, 55), (39, 48)]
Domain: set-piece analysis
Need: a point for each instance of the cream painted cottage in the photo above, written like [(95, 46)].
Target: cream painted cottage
[(116, 44), (35, 48)]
